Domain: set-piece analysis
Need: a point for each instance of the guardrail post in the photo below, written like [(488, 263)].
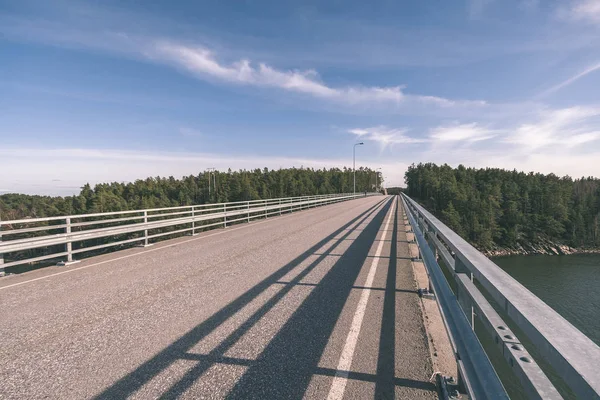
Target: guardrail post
[(280, 207), (69, 244), (146, 230), (193, 221), (463, 298), (431, 244), (224, 215), (248, 207), (266, 216)]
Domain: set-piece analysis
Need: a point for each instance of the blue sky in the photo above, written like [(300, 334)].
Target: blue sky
[(116, 90)]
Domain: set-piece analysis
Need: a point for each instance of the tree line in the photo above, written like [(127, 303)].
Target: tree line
[(493, 207), (156, 192)]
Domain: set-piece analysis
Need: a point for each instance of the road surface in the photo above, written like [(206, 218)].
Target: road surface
[(316, 304)]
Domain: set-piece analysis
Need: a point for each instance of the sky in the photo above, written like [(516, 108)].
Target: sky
[(122, 90)]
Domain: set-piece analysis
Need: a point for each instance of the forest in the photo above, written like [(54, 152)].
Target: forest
[(499, 208), (158, 192)]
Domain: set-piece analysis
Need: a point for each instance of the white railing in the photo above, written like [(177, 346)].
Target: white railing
[(52, 233)]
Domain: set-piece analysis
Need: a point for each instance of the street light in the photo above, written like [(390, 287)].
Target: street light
[(354, 163), (377, 178), (213, 169)]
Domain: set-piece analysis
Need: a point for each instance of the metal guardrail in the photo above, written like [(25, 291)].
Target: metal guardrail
[(151, 223), (573, 356)]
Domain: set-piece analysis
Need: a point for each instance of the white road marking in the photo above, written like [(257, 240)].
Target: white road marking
[(341, 376), (141, 253)]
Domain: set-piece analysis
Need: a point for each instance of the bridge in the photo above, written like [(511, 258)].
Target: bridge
[(336, 296)]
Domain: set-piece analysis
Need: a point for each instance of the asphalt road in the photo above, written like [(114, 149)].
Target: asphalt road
[(316, 304)]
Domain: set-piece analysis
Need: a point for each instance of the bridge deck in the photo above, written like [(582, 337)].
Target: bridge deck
[(266, 310)]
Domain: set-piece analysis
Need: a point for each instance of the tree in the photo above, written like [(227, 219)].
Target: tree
[(490, 206)]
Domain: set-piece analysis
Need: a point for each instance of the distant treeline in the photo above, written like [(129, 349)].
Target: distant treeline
[(394, 190), (494, 207), (194, 189)]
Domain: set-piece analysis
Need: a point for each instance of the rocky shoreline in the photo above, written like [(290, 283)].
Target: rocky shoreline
[(545, 247)]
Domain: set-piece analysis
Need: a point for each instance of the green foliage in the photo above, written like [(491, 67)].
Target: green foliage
[(495, 207), (169, 192), (394, 190)]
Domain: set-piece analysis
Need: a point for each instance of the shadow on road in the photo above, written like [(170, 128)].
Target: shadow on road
[(290, 359)]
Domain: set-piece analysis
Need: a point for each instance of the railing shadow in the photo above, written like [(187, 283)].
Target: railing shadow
[(287, 364), (386, 368), (320, 311)]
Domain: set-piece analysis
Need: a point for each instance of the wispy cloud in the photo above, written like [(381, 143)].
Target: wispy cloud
[(584, 10), (385, 136), (572, 79), (203, 64), (77, 166), (568, 127), (472, 132)]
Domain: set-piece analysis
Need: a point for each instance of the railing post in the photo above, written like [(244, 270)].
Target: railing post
[(146, 230), (2, 273), (248, 207), (463, 299), (266, 216), (193, 221), (280, 207), (224, 215), (69, 244), (431, 244)]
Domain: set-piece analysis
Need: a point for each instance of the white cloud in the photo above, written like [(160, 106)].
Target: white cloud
[(27, 172), (572, 79), (568, 127), (559, 161), (585, 10), (208, 65), (385, 136), (203, 64), (461, 133)]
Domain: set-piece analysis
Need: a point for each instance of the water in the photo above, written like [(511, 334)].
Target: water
[(568, 284)]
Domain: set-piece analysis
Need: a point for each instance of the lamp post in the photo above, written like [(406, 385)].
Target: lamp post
[(354, 163), (209, 172)]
